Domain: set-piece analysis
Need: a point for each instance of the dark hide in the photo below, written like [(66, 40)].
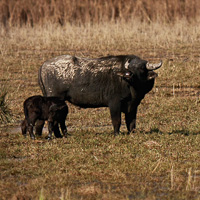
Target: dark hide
[(41, 108), (117, 82)]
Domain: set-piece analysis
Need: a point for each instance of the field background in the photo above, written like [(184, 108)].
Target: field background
[(159, 161)]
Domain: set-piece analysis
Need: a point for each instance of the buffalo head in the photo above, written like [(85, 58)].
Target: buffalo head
[(137, 69)]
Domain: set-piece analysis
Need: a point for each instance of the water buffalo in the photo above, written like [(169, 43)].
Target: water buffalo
[(52, 109), (118, 82)]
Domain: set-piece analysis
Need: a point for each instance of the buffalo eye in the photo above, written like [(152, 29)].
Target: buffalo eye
[(142, 69)]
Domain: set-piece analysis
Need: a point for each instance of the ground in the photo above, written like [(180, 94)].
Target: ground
[(159, 161)]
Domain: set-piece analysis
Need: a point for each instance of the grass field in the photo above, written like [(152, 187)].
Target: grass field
[(29, 12), (159, 161)]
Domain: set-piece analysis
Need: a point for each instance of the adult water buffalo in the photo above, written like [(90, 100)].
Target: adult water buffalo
[(118, 82)]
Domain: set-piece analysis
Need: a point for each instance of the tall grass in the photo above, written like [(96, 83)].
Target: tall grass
[(33, 12), (5, 112)]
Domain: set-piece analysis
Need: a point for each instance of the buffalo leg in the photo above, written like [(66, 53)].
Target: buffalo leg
[(30, 130), (63, 128), (38, 127), (130, 119), (50, 129), (56, 131), (115, 113), (24, 126), (31, 123)]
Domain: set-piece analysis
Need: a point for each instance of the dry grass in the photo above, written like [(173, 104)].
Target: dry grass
[(160, 161), (31, 12), (23, 50), (5, 114)]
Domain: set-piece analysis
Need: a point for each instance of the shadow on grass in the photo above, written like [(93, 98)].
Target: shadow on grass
[(181, 132), (154, 130), (185, 132)]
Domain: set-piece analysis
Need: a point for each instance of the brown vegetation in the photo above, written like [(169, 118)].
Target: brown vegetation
[(159, 161), (33, 12)]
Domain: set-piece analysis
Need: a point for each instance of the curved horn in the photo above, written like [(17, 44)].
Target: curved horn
[(127, 64), (150, 66)]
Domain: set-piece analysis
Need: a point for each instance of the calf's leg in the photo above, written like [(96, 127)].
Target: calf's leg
[(39, 126), (56, 131), (50, 129), (24, 126), (31, 123), (30, 130), (63, 128), (53, 127)]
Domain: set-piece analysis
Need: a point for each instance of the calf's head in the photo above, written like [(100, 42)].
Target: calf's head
[(55, 112)]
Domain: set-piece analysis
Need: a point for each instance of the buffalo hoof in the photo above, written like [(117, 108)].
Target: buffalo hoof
[(48, 137), (116, 134), (130, 132), (67, 134), (59, 136), (38, 134), (33, 137)]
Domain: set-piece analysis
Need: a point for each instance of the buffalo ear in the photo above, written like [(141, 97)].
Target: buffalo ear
[(126, 75)]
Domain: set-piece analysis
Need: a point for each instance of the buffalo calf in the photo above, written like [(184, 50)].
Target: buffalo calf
[(52, 109)]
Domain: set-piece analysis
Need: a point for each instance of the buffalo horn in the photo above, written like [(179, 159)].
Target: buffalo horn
[(150, 66), (127, 64)]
